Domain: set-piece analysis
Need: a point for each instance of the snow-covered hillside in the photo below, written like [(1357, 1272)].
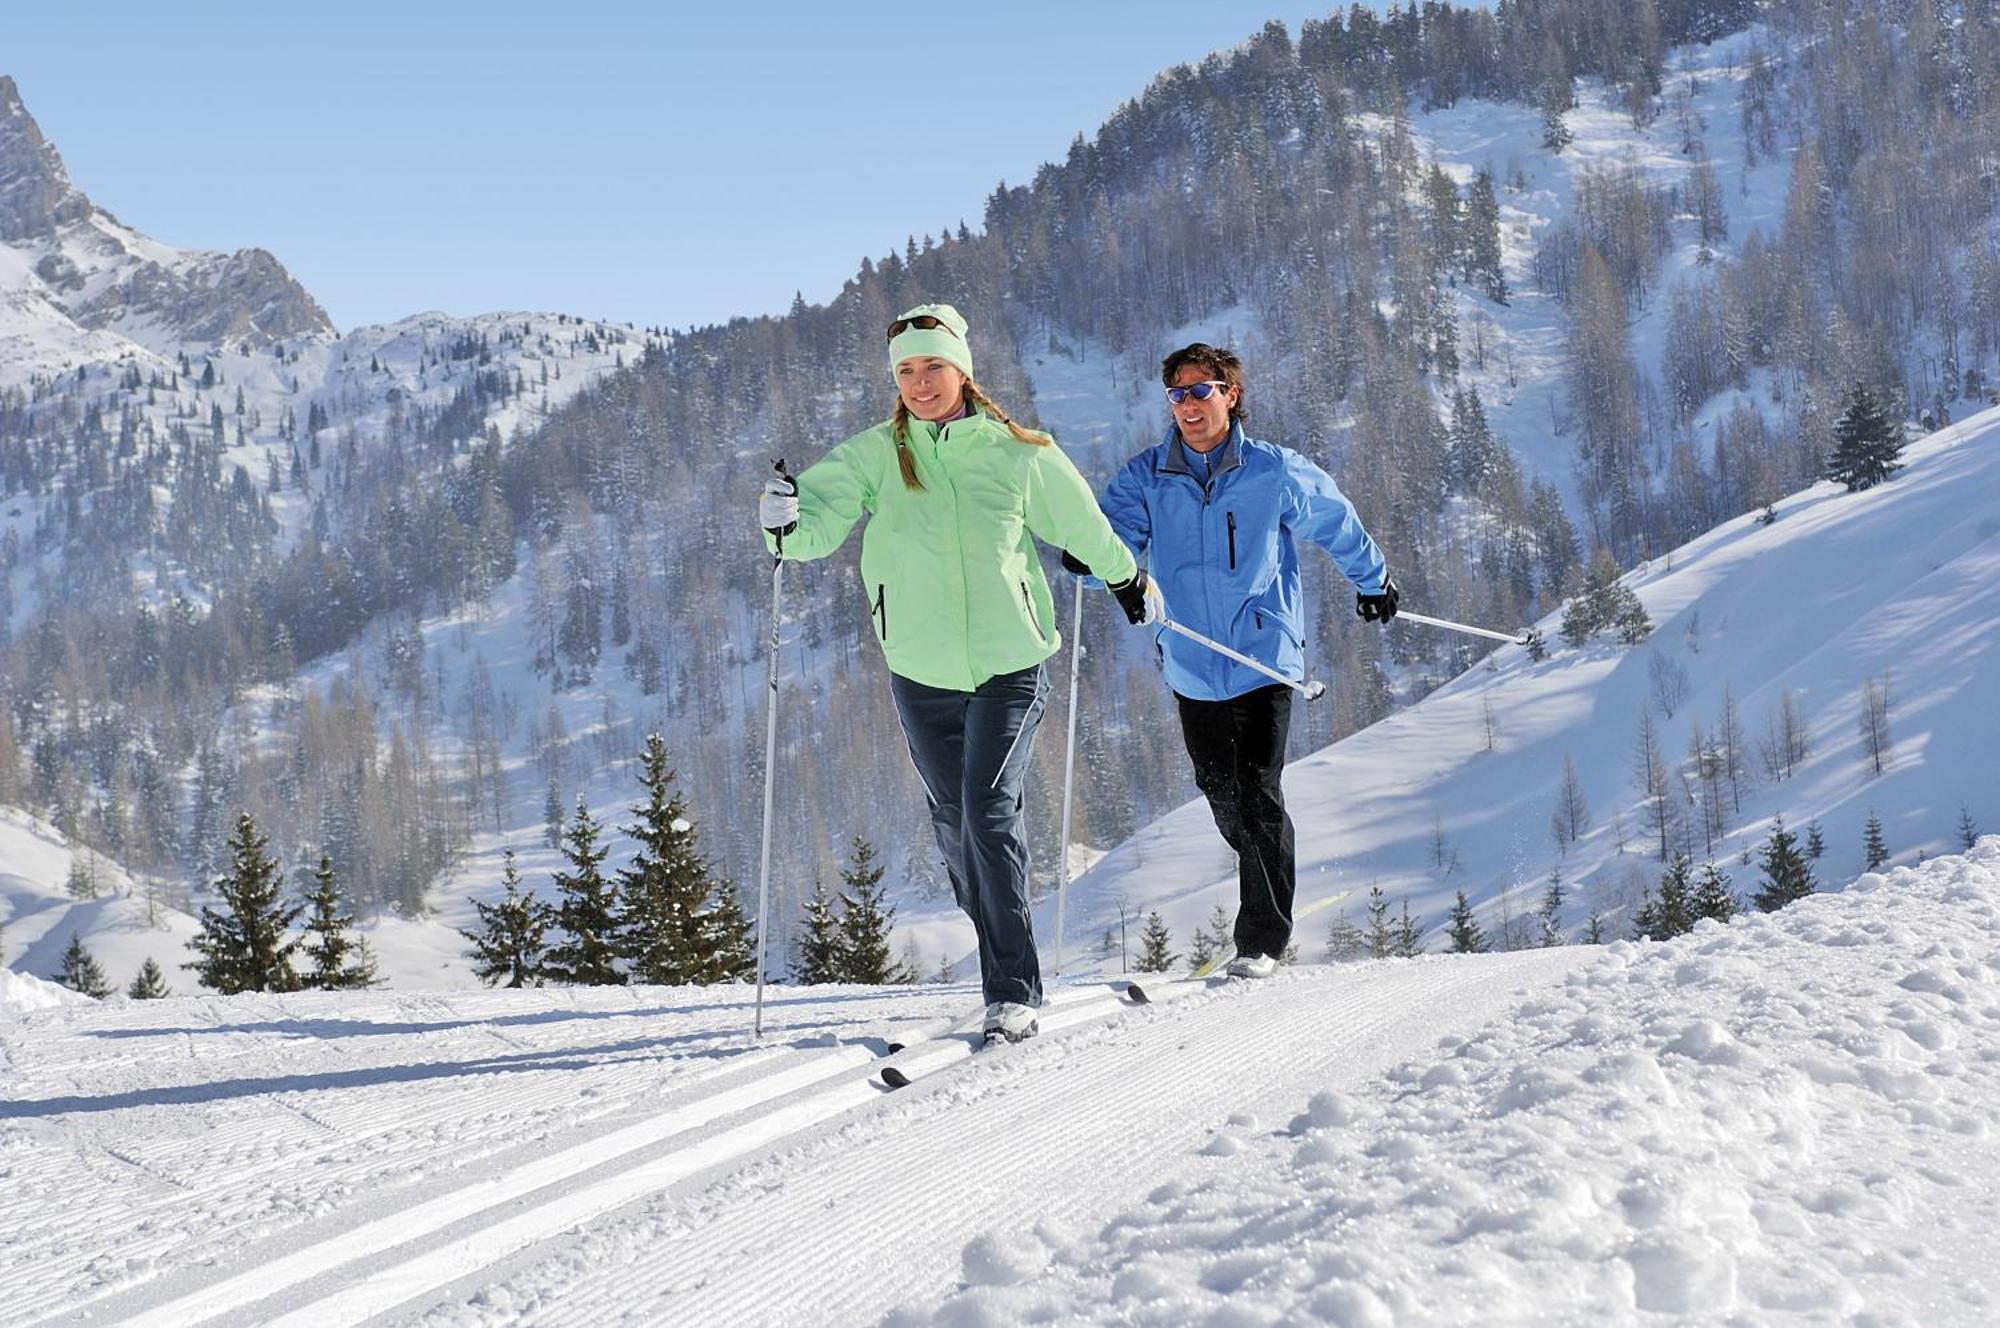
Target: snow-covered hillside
[(1790, 1119), (1899, 584)]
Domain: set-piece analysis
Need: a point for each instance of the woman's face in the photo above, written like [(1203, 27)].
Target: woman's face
[(1203, 424), (932, 388)]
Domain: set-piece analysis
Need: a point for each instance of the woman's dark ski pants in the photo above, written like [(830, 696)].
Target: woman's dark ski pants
[(972, 751), (1238, 750)]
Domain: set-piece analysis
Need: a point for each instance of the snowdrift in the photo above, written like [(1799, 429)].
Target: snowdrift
[(1789, 1119)]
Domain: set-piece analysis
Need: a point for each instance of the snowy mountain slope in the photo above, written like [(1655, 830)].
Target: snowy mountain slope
[(1900, 583), (1789, 1119), (97, 316), (1514, 354)]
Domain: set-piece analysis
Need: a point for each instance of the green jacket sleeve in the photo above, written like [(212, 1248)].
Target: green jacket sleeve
[(833, 493), (1062, 511)]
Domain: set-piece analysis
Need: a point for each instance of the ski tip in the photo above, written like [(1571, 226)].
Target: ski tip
[(1137, 994), (894, 1077), (894, 1047)]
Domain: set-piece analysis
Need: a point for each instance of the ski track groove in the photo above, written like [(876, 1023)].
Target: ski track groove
[(704, 1257), (464, 1241), (537, 1120), (235, 1160), (235, 1157)]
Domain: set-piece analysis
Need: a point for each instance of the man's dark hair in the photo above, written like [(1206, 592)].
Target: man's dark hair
[(1218, 364)]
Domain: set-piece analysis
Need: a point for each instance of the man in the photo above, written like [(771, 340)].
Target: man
[(1215, 516)]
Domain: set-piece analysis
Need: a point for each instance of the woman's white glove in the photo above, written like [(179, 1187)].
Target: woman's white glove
[(778, 506)]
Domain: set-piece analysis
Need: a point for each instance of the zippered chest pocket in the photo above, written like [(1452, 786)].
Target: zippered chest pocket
[(1232, 539)]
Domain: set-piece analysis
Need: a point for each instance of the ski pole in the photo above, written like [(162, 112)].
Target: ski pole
[(1069, 768), (770, 767), (1312, 690), (1450, 626)]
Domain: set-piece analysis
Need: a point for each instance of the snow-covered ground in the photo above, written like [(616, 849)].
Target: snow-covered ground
[(1786, 1120)]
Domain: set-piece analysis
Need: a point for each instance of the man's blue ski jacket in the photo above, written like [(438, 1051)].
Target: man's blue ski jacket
[(1218, 533)]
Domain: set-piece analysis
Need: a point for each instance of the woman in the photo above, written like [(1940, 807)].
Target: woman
[(954, 490)]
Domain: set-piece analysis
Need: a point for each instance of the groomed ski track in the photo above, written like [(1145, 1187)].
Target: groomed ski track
[(706, 1190)]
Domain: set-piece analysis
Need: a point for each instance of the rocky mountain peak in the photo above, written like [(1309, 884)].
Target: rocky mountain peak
[(36, 195), (108, 277)]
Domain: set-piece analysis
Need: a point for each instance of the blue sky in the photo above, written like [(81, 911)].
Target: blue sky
[(662, 164)]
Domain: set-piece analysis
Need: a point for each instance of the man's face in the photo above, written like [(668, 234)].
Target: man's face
[(1203, 424)]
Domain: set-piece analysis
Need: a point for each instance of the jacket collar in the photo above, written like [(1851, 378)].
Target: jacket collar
[(1227, 457), (930, 432)]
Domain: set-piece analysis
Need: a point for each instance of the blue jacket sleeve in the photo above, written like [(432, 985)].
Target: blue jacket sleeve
[(1321, 513), (1124, 504)]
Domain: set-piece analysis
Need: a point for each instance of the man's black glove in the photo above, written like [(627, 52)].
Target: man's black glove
[(1378, 608), (1074, 565), (1140, 599)]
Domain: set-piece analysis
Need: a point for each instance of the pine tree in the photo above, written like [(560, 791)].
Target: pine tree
[(1787, 875), (865, 921), (150, 984), (1214, 939), (1712, 896), (1466, 938), (1156, 953), (1344, 941), (340, 961), (817, 957), (552, 814), (1200, 951), (1482, 238), (665, 928), (1815, 841), (1409, 935), (1551, 911), (510, 943), (81, 883), (1671, 912), (731, 939), (1875, 849), (1381, 935), (588, 911), (1968, 831), (242, 945), (1867, 445), (80, 971)]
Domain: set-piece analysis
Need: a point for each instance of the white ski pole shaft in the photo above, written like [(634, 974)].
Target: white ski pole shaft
[(1069, 769), (1450, 626), (770, 775), (1310, 689)]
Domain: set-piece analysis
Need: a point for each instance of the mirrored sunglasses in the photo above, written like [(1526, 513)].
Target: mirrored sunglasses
[(1199, 391)]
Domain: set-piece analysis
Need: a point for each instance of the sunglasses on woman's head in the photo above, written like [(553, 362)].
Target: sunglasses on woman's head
[(922, 322), (1199, 391)]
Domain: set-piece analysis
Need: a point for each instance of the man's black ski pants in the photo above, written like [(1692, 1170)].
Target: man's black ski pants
[(1238, 750), (972, 751)]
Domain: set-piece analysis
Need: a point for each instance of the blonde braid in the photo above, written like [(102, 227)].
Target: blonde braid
[(901, 423), (980, 399)]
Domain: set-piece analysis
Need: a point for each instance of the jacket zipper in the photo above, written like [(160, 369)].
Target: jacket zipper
[(1028, 602), (881, 608), (1232, 540)]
